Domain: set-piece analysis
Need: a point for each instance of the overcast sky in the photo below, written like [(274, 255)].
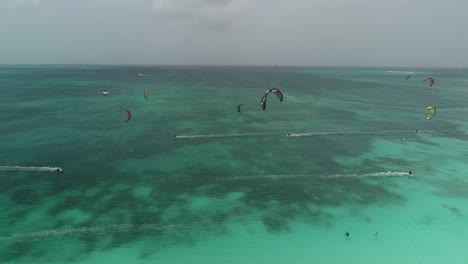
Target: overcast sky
[(431, 33)]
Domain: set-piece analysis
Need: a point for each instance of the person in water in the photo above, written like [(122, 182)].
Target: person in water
[(347, 234)]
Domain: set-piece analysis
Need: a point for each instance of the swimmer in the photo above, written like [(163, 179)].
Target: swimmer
[(347, 234)]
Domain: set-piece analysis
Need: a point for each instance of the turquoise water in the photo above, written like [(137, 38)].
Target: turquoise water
[(231, 187)]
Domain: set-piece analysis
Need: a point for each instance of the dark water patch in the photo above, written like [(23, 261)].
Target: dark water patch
[(275, 223), (75, 201), (451, 187), (26, 197), (16, 251), (428, 219), (453, 210)]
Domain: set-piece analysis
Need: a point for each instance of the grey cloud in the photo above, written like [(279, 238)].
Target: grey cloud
[(272, 32), (210, 14)]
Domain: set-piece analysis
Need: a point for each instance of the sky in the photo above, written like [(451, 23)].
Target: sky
[(407, 33)]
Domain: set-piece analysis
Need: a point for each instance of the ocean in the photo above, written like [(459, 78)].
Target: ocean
[(189, 179)]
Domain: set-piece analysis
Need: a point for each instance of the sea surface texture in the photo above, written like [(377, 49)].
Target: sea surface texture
[(189, 179)]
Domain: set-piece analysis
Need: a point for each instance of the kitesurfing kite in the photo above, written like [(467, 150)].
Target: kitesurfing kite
[(408, 76), (265, 95), (239, 108), (146, 94), (431, 81), (129, 115), (431, 111)]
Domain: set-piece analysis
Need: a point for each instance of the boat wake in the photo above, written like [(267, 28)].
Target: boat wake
[(375, 174), (305, 134), (55, 234), (325, 133), (333, 176), (227, 135), (21, 168)]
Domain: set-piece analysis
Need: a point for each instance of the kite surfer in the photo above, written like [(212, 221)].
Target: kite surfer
[(273, 90), (410, 173), (431, 111), (431, 81), (129, 115)]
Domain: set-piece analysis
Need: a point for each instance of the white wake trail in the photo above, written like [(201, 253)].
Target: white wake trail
[(112, 228), (291, 176), (374, 174), (325, 133), (22, 168), (227, 135)]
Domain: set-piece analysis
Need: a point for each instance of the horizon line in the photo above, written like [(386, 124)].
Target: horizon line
[(231, 65)]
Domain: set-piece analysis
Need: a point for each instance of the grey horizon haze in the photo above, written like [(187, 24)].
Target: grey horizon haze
[(416, 33)]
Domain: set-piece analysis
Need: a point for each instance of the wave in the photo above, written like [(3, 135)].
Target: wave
[(21, 168)]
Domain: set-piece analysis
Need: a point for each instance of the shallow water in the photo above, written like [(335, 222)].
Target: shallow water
[(189, 179)]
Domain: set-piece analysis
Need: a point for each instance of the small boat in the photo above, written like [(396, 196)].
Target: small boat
[(105, 92)]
